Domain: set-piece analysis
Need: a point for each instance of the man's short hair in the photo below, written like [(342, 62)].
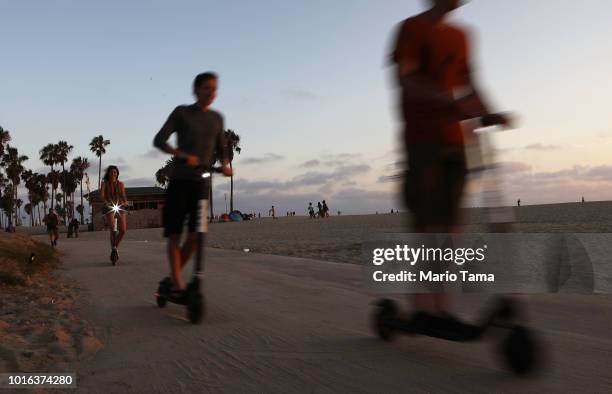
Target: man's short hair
[(203, 77)]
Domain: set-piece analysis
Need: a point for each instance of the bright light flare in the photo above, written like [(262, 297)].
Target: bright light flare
[(116, 208), (206, 175)]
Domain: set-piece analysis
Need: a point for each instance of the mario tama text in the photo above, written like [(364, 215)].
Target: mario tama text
[(431, 276)]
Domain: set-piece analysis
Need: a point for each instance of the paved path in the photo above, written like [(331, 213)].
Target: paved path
[(281, 324)]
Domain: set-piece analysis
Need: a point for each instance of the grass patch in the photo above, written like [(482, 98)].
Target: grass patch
[(15, 265)]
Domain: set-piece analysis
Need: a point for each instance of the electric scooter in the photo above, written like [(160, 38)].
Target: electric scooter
[(517, 344), (192, 296)]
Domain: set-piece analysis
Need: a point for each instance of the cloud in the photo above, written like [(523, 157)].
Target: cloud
[(153, 154), (300, 94), (509, 167), (310, 163), (267, 158), (307, 179), (339, 159), (542, 147)]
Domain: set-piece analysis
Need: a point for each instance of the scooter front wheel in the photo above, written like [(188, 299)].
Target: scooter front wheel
[(386, 310), (520, 351), (195, 307), (161, 300)]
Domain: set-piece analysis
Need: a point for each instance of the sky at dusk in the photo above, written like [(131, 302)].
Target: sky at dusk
[(307, 87)]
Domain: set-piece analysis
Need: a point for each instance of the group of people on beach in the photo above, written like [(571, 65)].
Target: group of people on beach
[(322, 210)]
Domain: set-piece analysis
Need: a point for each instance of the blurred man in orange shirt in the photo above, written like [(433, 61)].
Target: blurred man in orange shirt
[(432, 61)]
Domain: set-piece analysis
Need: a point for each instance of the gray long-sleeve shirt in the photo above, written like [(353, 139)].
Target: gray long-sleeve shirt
[(199, 133)]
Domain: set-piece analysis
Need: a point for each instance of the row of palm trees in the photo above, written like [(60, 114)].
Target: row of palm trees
[(56, 156), (38, 185)]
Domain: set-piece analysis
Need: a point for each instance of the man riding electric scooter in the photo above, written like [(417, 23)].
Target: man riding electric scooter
[(200, 144)]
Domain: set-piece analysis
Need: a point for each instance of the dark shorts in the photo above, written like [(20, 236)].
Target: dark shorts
[(183, 203), (52, 229), (435, 182)]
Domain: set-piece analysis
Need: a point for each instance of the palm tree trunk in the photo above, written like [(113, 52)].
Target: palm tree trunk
[(65, 194), (82, 206), (99, 172), (38, 209), (231, 189)]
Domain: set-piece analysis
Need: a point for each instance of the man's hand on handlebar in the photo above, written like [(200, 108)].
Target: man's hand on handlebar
[(192, 160), (226, 169)]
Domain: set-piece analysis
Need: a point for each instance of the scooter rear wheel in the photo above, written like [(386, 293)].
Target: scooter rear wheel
[(386, 310), (519, 350)]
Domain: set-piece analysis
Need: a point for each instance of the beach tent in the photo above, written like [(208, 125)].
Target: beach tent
[(236, 216)]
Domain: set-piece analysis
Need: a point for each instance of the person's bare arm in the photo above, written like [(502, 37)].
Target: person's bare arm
[(124, 199), (473, 106), (102, 192)]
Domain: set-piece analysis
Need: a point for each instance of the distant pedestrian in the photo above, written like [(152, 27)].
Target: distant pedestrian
[(325, 210), (52, 221), (518, 202), (311, 211)]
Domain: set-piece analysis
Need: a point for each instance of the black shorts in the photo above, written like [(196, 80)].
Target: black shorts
[(183, 203), (435, 182)]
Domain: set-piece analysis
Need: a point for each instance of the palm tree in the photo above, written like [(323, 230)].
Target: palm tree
[(7, 202), (79, 166), (18, 204), (42, 191), (2, 186), (69, 187), (98, 146), (53, 178), (48, 155), (28, 179), (63, 149), (28, 209), (162, 176), (232, 142), (5, 138), (13, 164)]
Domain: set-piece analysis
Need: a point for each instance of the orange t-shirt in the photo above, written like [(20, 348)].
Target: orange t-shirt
[(439, 52)]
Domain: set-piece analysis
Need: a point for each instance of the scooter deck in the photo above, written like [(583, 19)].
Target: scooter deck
[(435, 326)]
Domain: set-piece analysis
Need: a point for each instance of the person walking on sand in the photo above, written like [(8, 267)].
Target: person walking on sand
[(51, 220), (311, 211), (320, 209), (325, 210), (272, 212), (432, 63)]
